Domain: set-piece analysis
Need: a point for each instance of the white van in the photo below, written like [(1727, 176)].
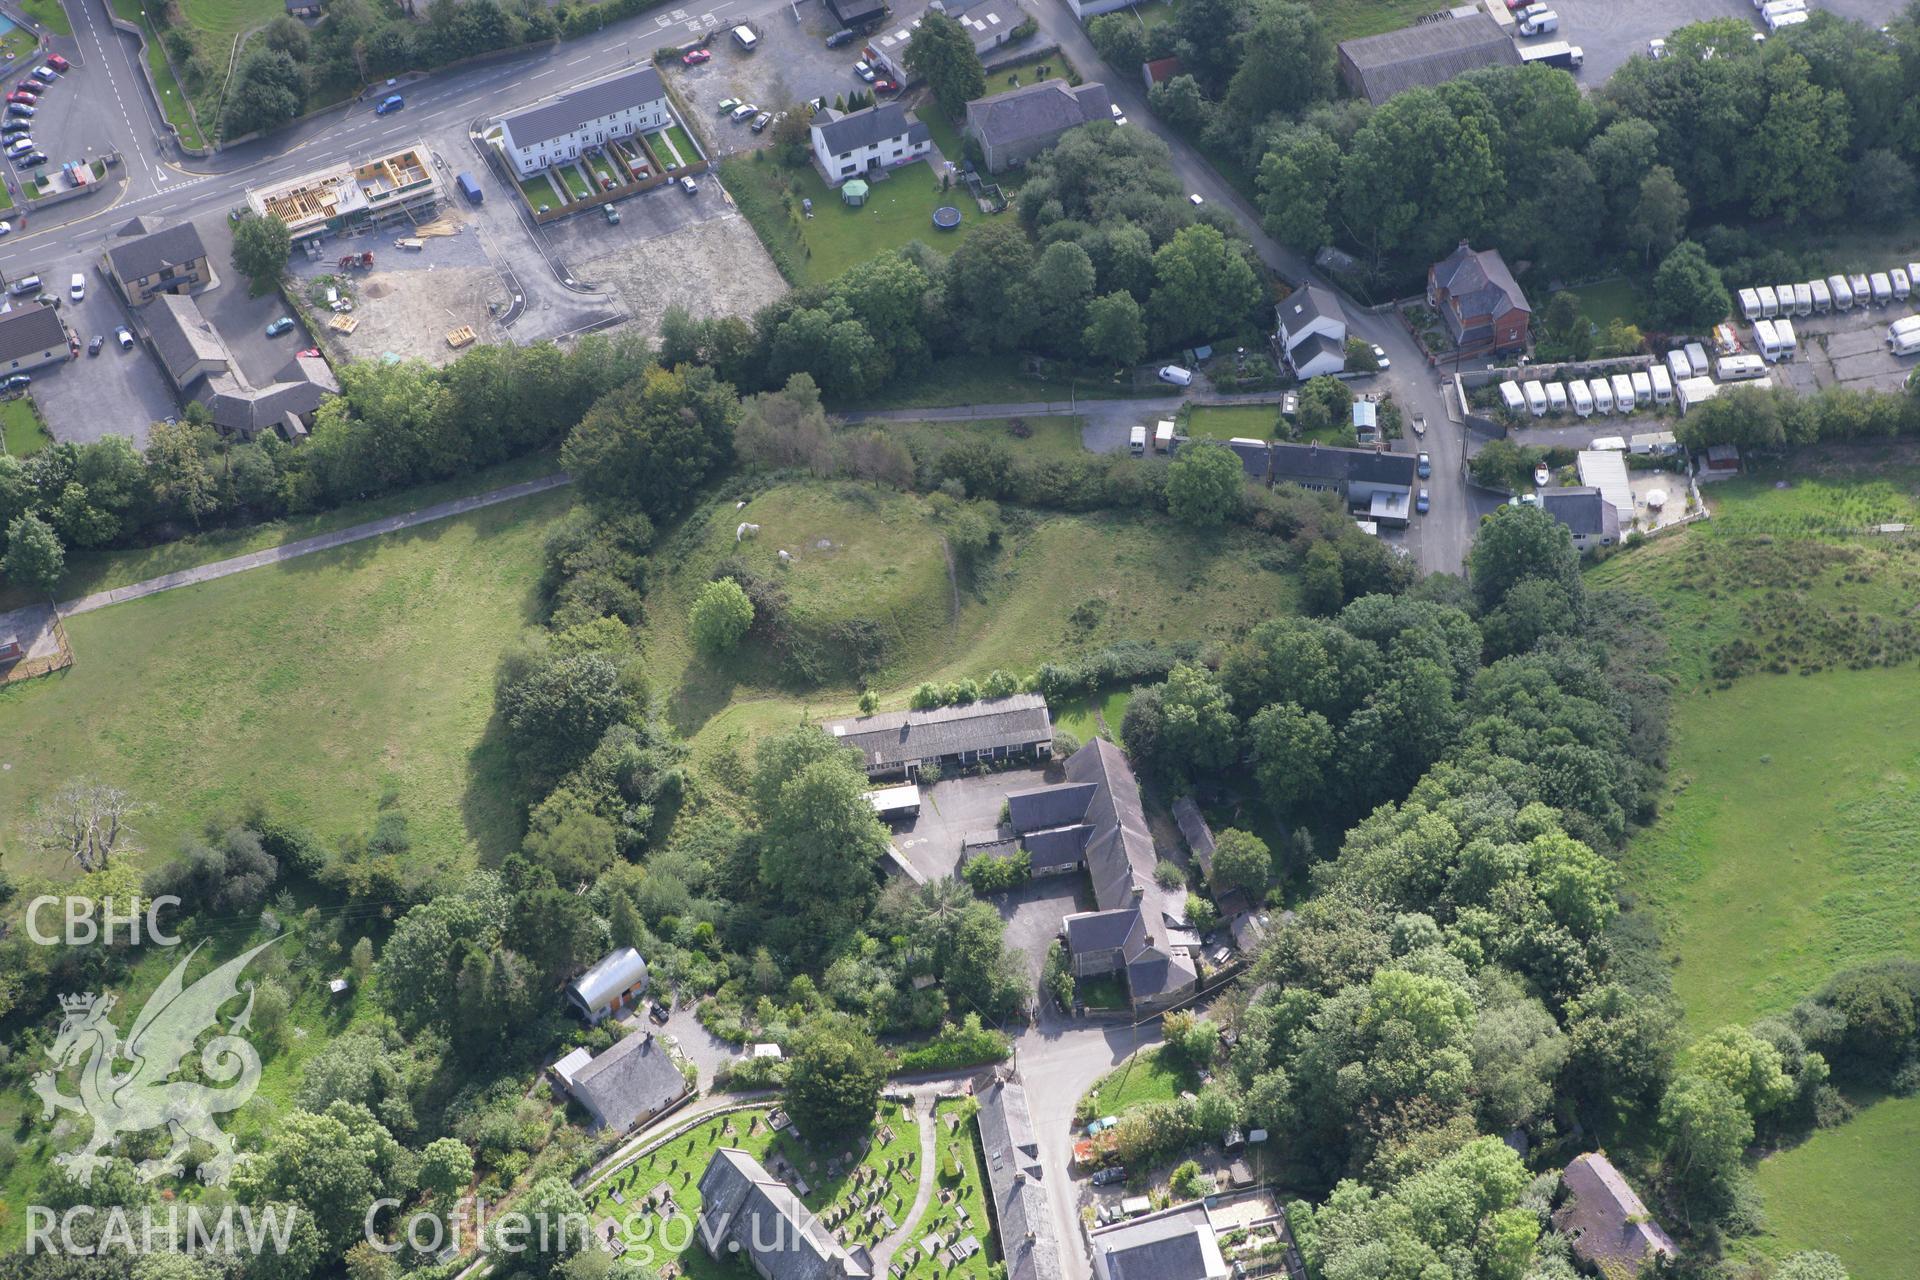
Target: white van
[(1137, 442), (1541, 24), (24, 285), (744, 37), (77, 287), (1177, 376)]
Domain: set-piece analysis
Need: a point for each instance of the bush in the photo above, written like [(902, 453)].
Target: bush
[(968, 1045), (1056, 976), (991, 874), (721, 617)]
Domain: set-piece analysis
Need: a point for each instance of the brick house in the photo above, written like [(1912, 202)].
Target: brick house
[(1479, 301)]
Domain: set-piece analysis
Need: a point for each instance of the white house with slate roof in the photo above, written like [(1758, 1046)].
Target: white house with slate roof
[(589, 116), (1590, 518), (1173, 1244), (852, 144), (1313, 332), (627, 1085), (747, 1213), (901, 743)]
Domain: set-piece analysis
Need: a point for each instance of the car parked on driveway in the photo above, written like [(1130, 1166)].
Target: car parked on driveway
[(885, 86), (1110, 1174), (1380, 357), (280, 326), (745, 111), (841, 37), (865, 71), (17, 383), (694, 57)]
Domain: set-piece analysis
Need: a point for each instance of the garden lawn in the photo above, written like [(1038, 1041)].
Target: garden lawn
[(1609, 300), (1083, 716), (49, 14), (576, 182), (1147, 1076), (1025, 72), (539, 192), (17, 43), (315, 686), (683, 143), (960, 1171), (1851, 1191), (23, 430), (898, 211), (1104, 992), (602, 168), (985, 380), (1241, 421)]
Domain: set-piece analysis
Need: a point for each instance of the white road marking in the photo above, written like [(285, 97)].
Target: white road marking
[(577, 61)]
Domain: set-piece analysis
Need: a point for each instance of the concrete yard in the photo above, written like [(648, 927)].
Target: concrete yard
[(1846, 349), (791, 66), (720, 264), (1611, 31)]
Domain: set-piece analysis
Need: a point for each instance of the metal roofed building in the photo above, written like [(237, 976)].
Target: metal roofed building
[(1429, 53), (901, 743), (1016, 1181), (1606, 470), (610, 986), (617, 107), (988, 23)]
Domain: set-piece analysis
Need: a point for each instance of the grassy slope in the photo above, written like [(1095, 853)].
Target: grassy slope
[(1850, 1191), (316, 685), (1142, 1078), (1787, 852), (1062, 585)]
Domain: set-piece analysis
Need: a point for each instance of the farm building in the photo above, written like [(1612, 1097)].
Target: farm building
[(746, 1212), (1479, 300), (1606, 470), (1609, 1226), (1094, 820), (901, 743), (1430, 53), (626, 1085), (1013, 127), (610, 987), (1588, 515)]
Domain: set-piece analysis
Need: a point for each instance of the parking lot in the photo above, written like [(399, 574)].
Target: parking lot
[(114, 393), (791, 66), (1611, 31), (66, 124), (1847, 349)]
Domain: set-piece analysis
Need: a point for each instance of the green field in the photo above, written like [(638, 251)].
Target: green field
[(1784, 850), (316, 686), (1060, 585), (898, 210), (1236, 421), (1850, 1191), (49, 14), (173, 99), (1346, 19), (1057, 437), (1607, 301), (1082, 717), (984, 380), (23, 431)]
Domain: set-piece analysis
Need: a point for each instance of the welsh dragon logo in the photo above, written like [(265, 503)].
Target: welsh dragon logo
[(142, 1095)]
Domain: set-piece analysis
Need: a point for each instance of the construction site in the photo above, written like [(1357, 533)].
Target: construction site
[(348, 197), (426, 293)]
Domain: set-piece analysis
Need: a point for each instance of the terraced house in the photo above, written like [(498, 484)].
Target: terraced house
[(539, 137)]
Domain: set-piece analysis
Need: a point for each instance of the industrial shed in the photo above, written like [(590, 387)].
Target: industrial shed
[(1377, 67)]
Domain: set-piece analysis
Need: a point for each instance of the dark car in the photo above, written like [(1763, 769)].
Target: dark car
[(16, 126), (95, 343), (840, 37), (658, 1012), (390, 104), (20, 109), (1111, 1174), (18, 382), (28, 162)]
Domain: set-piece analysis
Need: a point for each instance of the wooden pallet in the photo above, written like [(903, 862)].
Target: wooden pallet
[(461, 337), (343, 323)]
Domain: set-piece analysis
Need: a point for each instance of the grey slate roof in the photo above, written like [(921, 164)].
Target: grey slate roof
[(632, 1081), (1120, 855), (1315, 345), (1330, 464), (1584, 510), (570, 110), (1305, 305), (1256, 458), (28, 330), (742, 1204), (1015, 1178), (1479, 282), (182, 335), (1610, 1227), (1429, 53), (891, 739), (1195, 831), (1043, 807), (235, 406), (1043, 110), (1174, 1244), (154, 252), (1101, 930), (849, 131), (1057, 847)]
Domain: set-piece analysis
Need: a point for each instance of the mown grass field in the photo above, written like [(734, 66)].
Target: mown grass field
[(23, 430), (1347, 19), (1145, 1077), (1850, 1191), (316, 686), (1056, 437), (1060, 585)]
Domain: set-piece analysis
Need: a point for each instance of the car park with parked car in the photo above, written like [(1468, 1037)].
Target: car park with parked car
[(280, 326), (694, 57)]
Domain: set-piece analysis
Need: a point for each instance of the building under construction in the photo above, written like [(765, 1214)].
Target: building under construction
[(346, 197)]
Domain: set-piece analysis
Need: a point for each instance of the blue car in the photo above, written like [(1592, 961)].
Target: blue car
[(1424, 465), (390, 104), (279, 326), (1420, 503)]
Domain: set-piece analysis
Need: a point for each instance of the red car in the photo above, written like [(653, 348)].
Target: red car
[(58, 63), (17, 96), (885, 86), (696, 57)]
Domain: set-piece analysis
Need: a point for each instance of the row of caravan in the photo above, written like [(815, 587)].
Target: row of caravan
[(1835, 293), (1903, 336), (1622, 393), (1775, 339)]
